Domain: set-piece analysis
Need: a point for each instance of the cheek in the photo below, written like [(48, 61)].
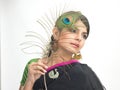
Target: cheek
[(82, 44), (67, 36), (66, 39)]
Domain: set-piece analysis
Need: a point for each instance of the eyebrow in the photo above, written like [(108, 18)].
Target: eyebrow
[(80, 26), (85, 33)]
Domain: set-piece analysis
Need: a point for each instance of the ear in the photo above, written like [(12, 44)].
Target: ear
[(56, 33)]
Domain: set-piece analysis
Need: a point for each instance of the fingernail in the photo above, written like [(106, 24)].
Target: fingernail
[(45, 71), (46, 67)]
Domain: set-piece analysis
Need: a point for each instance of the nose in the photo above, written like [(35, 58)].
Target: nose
[(79, 36)]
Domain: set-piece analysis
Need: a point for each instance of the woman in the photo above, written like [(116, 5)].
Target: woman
[(61, 69)]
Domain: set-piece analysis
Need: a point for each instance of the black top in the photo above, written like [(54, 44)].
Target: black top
[(69, 76)]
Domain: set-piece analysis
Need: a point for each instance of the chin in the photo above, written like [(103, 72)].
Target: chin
[(72, 51), (69, 49)]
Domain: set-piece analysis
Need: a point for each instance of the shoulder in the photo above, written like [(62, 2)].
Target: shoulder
[(83, 66), (33, 60), (86, 69), (29, 62), (92, 77)]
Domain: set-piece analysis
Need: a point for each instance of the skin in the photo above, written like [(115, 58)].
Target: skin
[(68, 41)]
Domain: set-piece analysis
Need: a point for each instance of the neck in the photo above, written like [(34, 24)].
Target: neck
[(62, 55), (58, 57)]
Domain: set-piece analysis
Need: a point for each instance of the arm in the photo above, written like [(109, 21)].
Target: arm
[(21, 87), (28, 85), (33, 70)]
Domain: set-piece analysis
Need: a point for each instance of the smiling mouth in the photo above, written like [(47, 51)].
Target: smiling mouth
[(75, 45)]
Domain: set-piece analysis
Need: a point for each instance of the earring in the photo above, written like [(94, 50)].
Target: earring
[(77, 56)]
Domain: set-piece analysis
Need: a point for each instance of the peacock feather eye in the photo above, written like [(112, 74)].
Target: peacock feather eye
[(66, 21)]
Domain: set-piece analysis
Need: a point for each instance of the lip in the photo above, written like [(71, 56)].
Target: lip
[(75, 45)]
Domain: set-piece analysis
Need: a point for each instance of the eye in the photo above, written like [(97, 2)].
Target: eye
[(84, 36), (74, 31)]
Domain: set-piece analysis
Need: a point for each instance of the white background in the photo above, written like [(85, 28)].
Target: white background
[(102, 49)]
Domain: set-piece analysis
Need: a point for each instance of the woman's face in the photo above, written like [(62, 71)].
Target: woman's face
[(72, 40)]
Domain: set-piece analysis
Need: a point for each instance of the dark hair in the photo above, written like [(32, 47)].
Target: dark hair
[(86, 22)]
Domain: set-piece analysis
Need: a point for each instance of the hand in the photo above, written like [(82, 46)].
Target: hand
[(36, 69)]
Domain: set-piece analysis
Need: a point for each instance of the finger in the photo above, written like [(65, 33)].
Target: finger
[(39, 72), (40, 68), (38, 64), (42, 64)]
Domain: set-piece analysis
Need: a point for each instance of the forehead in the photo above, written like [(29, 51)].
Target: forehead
[(80, 26)]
